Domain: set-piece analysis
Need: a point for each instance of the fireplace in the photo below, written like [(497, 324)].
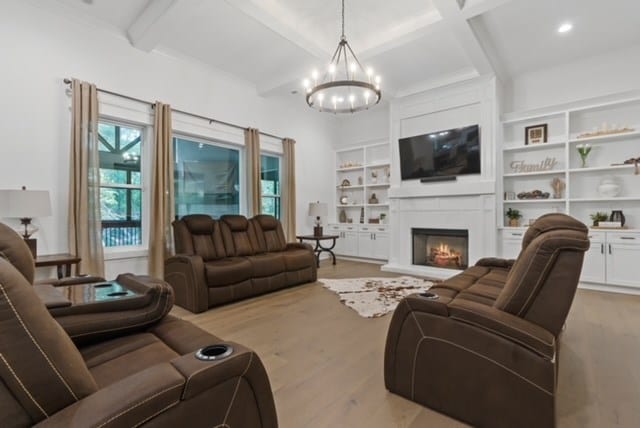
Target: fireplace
[(441, 248)]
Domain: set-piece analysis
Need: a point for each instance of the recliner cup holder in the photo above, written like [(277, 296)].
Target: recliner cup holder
[(214, 352), (429, 295), (117, 294)]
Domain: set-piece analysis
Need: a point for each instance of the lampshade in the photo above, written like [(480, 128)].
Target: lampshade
[(24, 203), (318, 209)]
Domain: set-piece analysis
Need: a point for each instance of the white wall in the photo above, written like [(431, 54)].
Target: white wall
[(614, 72), (364, 127), (40, 48)]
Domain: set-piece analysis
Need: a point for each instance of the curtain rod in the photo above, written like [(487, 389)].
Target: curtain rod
[(232, 125)]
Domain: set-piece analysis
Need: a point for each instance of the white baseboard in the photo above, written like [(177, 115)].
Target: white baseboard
[(609, 288)]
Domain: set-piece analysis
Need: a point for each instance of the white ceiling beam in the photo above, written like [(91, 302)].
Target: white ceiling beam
[(478, 7), (467, 38), (146, 32), (269, 20)]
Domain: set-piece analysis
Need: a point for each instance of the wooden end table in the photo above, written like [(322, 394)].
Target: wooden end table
[(62, 262), (319, 247)]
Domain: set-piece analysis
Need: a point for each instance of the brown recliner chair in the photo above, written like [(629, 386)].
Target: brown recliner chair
[(221, 261), (168, 374), (481, 346)]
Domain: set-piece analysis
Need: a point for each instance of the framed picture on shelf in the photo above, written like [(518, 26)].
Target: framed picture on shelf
[(535, 134)]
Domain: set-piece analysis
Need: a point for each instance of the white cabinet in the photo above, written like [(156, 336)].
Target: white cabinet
[(361, 240), (373, 242), (594, 265), (623, 255), (511, 243)]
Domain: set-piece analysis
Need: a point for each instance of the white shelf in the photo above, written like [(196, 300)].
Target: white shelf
[(358, 186), (539, 146), (621, 135), (600, 199), (378, 205), (602, 168), (534, 201), (379, 185), (378, 164), (351, 168), (529, 174), (350, 206)]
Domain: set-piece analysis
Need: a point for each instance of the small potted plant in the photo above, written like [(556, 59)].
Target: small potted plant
[(514, 217), (598, 217)]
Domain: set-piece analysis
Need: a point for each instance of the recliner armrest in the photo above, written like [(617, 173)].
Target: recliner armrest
[(72, 280), (496, 262), (299, 245), (186, 274), (129, 402), (506, 325)]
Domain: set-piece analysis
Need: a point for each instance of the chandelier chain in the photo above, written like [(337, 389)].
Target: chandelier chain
[(343, 19)]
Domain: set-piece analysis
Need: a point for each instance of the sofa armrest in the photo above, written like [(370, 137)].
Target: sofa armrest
[(129, 402), (496, 262), (509, 326), (299, 246), (73, 280), (186, 275)]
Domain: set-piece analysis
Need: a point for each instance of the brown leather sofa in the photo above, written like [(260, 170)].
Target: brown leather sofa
[(221, 261), (482, 346), (166, 374)]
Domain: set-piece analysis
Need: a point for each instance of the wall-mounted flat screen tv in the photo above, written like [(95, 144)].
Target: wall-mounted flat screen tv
[(438, 154)]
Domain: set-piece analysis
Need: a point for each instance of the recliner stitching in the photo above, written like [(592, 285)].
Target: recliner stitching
[(156, 414), (224, 421), (55, 370), (23, 387), (128, 409)]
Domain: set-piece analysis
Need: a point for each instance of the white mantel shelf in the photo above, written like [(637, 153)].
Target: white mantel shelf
[(447, 188)]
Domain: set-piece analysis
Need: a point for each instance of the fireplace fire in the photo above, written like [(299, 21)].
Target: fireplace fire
[(441, 248)]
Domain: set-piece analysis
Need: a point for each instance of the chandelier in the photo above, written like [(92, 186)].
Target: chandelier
[(345, 87)]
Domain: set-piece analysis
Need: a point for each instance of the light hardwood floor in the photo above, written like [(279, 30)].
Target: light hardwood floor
[(325, 361)]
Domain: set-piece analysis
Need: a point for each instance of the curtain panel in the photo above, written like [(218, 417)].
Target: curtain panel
[(85, 228), (289, 189), (252, 145), (162, 192)]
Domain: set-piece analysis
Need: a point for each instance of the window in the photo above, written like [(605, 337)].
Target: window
[(270, 185), (120, 184), (207, 178)]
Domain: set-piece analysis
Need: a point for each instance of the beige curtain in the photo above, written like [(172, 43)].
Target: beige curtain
[(85, 228), (252, 144), (162, 207), (289, 189)]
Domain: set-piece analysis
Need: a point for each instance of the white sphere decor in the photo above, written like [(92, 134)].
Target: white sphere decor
[(609, 187)]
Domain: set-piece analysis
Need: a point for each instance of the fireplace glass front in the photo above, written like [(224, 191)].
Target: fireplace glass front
[(441, 248)]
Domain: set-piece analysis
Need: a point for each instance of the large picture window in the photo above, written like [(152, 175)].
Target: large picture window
[(270, 185), (207, 178), (120, 184)]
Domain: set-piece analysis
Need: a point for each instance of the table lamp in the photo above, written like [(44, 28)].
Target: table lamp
[(318, 210), (25, 205)]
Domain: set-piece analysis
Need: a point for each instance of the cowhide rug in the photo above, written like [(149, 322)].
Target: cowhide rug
[(375, 297)]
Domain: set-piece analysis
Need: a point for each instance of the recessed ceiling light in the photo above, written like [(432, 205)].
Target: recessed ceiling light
[(565, 27)]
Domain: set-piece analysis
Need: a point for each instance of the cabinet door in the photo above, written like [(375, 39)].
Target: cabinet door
[(350, 241), (380, 245), (365, 243), (340, 247), (593, 268), (511, 243), (621, 264)]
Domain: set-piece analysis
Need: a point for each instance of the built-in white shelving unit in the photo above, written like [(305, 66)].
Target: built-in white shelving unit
[(361, 172), (581, 196)]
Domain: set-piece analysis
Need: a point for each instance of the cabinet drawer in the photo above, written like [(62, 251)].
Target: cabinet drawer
[(516, 235), (597, 236), (623, 238)]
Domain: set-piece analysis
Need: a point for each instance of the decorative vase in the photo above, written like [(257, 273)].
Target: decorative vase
[(343, 216), (362, 215), (373, 199), (583, 151), (617, 215), (513, 222), (609, 187)]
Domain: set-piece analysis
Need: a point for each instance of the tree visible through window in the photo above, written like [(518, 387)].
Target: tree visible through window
[(270, 184), (120, 184)]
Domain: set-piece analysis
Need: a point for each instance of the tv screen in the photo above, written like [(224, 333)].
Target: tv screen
[(444, 153)]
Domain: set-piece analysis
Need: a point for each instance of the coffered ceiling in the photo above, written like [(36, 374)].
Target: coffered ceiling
[(413, 44)]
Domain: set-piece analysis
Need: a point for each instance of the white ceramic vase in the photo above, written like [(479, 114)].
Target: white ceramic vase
[(609, 187)]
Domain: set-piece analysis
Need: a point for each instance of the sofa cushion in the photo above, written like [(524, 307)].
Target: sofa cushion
[(269, 233), (239, 236), (227, 271), (296, 259), (39, 364), (14, 249), (267, 264), (198, 234)]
